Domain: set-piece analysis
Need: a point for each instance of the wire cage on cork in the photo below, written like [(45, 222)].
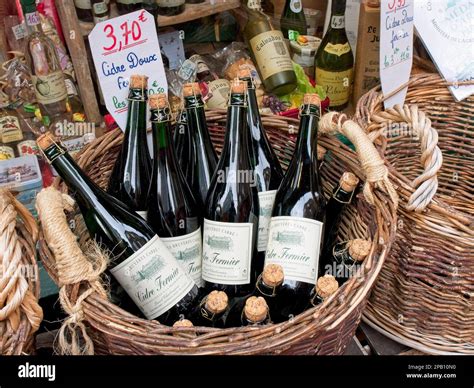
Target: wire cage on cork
[(424, 294), (96, 326)]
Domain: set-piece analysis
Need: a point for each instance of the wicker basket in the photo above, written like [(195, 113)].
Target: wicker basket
[(20, 314), (424, 295), (326, 329)]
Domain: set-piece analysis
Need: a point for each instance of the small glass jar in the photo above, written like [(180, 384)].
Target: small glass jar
[(304, 50)]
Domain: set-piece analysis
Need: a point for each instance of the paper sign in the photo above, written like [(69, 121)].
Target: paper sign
[(396, 48), (123, 46), (446, 28), (172, 46)]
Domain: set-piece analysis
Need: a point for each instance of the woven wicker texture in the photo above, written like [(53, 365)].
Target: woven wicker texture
[(424, 295)]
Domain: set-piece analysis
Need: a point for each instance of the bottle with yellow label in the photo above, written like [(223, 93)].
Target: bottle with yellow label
[(334, 60)]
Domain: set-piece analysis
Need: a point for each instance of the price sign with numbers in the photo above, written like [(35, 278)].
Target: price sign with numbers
[(396, 48), (123, 46)]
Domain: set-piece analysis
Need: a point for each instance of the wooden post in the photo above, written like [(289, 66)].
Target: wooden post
[(77, 50)]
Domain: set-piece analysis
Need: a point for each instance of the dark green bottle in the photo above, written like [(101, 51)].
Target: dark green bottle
[(347, 258), (324, 288), (211, 310), (181, 138), (334, 59), (140, 262), (130, 179), (232, 209), (293, 19), (172, 209), (198, 160), (298, 218)]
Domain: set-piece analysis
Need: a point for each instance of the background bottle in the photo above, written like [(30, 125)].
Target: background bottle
[(232, 209), (269, 51), (293, 19), (100, 10), (297, 223), (212, 309), (172, 210), (84, 10), (347, 258), (130, 179), (151, 6), (324, 288), (334, 59), (181, 137), (126, 6), (170, 7)]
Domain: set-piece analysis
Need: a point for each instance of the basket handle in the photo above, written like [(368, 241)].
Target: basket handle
[(425, 185), (372, 164)]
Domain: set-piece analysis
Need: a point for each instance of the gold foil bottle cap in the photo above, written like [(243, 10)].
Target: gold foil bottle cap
[(158, 101), (312, 99), (326, 286), (238, 87), (348, 182), (272, 275), (359, 249), (183, 323), (191, 89), (45, 140), (256, 309), (138, 81), (216, 302)]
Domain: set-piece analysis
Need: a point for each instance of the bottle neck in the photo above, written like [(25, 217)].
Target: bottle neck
[(135, 132), (195, 116), (32, 20), (160, 123), (252, 107), (308, 133), (266, 290), (341, 195), (236, 138), (338, 10)]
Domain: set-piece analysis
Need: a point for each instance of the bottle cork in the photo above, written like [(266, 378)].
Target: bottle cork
[(256, 309), (326, 286), (244, 73), (238, 87), (138, 81), (216, 302), (158, 101), (272, 275), (320, 152), (311, 99), (191, 89), (359, 249), (348, 182), (45, 140), (183, 323)]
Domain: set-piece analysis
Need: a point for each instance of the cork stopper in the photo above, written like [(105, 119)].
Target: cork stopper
[(158, 101), (348, 182), (244, 73), (312, 99), (256, 309), (321, 151), (216, 302), (183, 323), (238, 87), (191, 89), (45, 140), (138, 81), (359, 249), (272, 275), (326, 286)]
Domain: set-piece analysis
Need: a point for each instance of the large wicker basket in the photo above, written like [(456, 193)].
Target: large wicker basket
[(424, 295), (326, 329)]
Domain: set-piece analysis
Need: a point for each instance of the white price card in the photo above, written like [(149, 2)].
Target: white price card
[(123, 46), (396, 48), (446, 28)]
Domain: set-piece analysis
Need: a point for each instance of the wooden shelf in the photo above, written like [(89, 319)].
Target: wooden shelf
[(191, 12)]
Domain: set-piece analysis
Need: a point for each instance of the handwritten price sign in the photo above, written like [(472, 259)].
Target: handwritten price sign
[(121, 47), (396, 48)]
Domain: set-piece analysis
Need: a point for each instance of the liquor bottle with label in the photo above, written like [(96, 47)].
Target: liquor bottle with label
[(46, 73), (293, 19), (269, 51), (255, 312), (298, 217), (127, 6), (347, 258), (130, 179), (170, 7), (212, 309), (232, 209), (100, 10), (140, 262), (334, 59), (172, 210), (152, 7), (265, 165), (198, 160), (325, 287), (84, 10)]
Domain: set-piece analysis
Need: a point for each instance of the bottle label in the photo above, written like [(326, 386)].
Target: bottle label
[(28, 147), (49, 88), (219, 91), (100, 7), (70, 87), (6, 153), (19, 31), (254, 4), (266, 199), (295, 243), (271, 53), (227, 252), (32, 19), (201, 65), (153, 278), (10, 129), (187, 250), (338, 22), (337, 85), (170, 3), (142, 214), (296, 6), (338, 49), (101, 19)]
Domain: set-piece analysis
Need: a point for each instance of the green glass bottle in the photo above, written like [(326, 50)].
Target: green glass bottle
[(172, 210), (334, 60), (140, 262), (293, 18), (269, 51), (211, 310), (130, 179), (324, 288), (298, 218)]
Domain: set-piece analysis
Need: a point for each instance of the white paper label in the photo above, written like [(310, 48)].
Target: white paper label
[(296, 6), (32, 19), (295, 243), (19, 31), (143, 214), (153, 279), (187, 250), (338, 22), (227, 252), (100, 7), (266, 199)]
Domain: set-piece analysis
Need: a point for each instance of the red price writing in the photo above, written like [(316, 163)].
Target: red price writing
[(396, 4), (128, 33)]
